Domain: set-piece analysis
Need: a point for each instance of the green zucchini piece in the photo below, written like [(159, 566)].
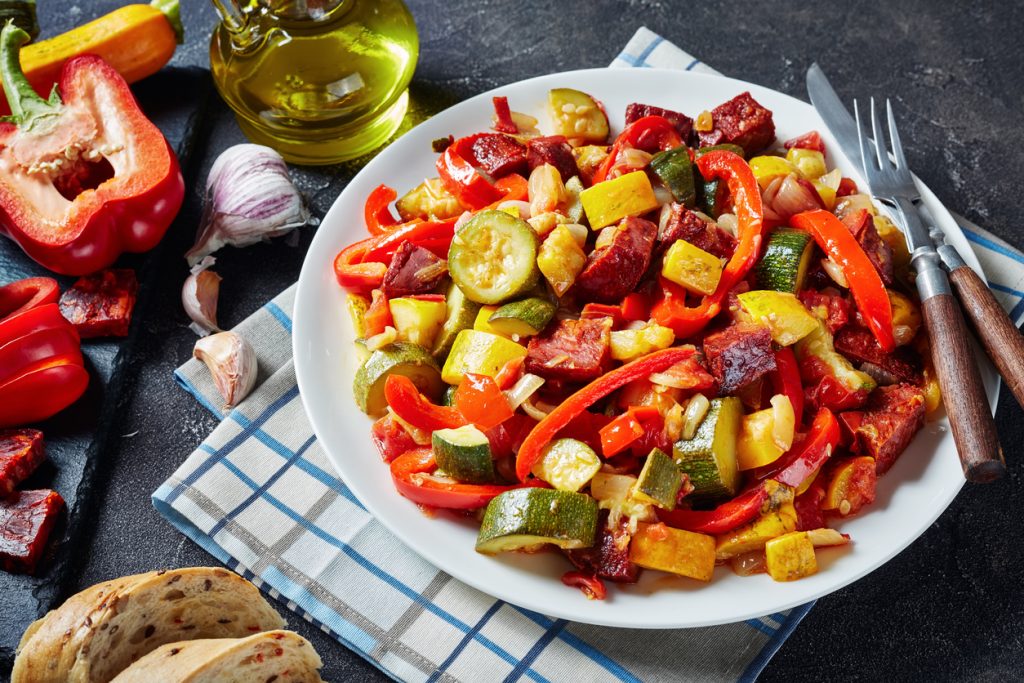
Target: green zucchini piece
[(577, 116), (567, 464), (574, 186), (527, 518), (493, 258), (709, 458), (465, 454), (675, 170), (400, 358), (659, 481), (786, 259), (460, 314), (735, 149), (523, 318)]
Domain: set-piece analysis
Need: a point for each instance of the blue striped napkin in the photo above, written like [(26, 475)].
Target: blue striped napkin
[(260, 495)]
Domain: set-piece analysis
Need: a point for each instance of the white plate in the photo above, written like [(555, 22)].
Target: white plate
[(917, 489)]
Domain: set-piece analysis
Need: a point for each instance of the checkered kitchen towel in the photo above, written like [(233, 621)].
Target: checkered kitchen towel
[(260, 495)]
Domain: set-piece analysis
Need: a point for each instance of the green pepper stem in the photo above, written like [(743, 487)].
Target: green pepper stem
[(26, 105), (172, 11)]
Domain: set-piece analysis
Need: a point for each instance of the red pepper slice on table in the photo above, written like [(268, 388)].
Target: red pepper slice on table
[(22, 295), (481, 402), (546, 429), (785, 380), (469, 187), (42, 392), (409, 404), (377, 212), (24, 353), (725, 517), (650, 133), (671, 310), (80, 216), (413, 473), (866, 285)]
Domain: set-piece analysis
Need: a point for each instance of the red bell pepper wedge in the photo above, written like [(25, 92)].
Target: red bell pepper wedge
[(866, 285), (409, 404), (785, 380), (622, 431), (481, 402), (412, 474), (725, 517), (807, 456), (390, 438), (591, 586), (378, 315), (22, 295), (352, 273), (433, 235), (472, 190), (635, 307), (546, 429), (513, 187), (671, 309), (650, 133), (42, 392), (103, 207), (510, 373), (503, 122), (27, 352), (377, 212)]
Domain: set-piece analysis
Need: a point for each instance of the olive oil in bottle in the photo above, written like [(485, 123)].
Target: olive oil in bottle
[(320, 81)]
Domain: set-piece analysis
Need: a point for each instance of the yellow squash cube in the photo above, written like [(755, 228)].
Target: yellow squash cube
[(767, 168), (810, 163), (629, 344), (692, 268), (781, 312), (611, 201), (417, 320), (479, 352), (656, 546), (560, 259), (778, 517), (790, 557)]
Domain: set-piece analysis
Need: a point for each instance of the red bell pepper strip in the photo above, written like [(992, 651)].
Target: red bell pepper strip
[(671, 309), (409, 404), (43, 317), (42, 392), (650, 133), (481, 402), (377, 212), (510, 373), (352, 273), (434, 235), (120, 192), (27, 352), (546, 429), (590, 585), (635, 307), (22, 295), (470, 188), (412, 474), (866, 285), (618, 434), (378, 315), (725, 517), (785, 380), (807, 456), (503, 122), (513, 187)]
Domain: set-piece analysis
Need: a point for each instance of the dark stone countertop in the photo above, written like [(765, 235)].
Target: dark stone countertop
[(948, 607)]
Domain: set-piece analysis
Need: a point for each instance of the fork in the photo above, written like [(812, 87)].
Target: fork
[(963, 393)]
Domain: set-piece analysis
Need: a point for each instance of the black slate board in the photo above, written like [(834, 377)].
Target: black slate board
[(78, 438)]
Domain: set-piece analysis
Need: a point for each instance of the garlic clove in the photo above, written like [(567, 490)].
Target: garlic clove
[(199, 297), (232, 363)]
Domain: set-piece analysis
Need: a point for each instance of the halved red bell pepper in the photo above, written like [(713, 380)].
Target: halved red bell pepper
[(725, 517), (22, 295), (43, 317), (481, 402), (866, 285), (413, 476), (409, 404), (546, 429), (649, 133), (377, 212), (87, 176), (469, 187), (503, 122), (785, 380), (671, 309), (807, 456)]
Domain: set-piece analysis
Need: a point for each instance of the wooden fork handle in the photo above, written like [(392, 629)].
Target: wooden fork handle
[(963, 393), (1003, 342)]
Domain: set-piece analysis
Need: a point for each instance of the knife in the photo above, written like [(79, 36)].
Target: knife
[(974, 429)]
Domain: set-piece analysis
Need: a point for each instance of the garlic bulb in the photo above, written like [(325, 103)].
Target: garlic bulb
[(249, 197), (199, 297), (232, 363)]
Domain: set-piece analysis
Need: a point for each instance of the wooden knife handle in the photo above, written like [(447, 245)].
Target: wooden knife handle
[(1003, 342), (963, 393)]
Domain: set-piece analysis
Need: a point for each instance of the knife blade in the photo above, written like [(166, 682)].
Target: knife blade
[(835, 114)]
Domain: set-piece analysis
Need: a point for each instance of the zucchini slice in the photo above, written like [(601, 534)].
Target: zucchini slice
[(465, 454), (675, 170), (522, 318), (527, 518), (786, 258), (709, 458), (659, 481), (400, 358), (461, 312), (493, 258), (567, 464)]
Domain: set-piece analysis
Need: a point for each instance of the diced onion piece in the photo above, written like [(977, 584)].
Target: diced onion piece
[(820, 538), (835, 271), (522, 207), (693, 416), (663, 195), (535, 410), (855, 202), (748, 564), (663, 219), (523, 389), (388, 336), (674, 422), (579, 232), (604, 237), (783, 422), (729, 223)]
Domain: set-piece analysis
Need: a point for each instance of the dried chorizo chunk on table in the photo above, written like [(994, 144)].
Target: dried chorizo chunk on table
[(573, 350), (21, 451), (26, 519), (100, 305)]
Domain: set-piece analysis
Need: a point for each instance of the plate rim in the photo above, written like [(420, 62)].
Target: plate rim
[(308, 280)]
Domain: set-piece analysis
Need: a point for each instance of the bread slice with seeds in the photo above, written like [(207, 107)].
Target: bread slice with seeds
[(100, 631), (272, 657)]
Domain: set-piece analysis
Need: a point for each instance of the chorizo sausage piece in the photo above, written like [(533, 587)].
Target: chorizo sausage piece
[(554, 150), (684, 224), (21, 451), (413, 270), (894, 416), (26, 519), (614, 270), (101, 304), (859, 344), (572, 350), (608, 558), (682, 123), (498, 155), (740, 121), (862, 226), (738, 355)]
